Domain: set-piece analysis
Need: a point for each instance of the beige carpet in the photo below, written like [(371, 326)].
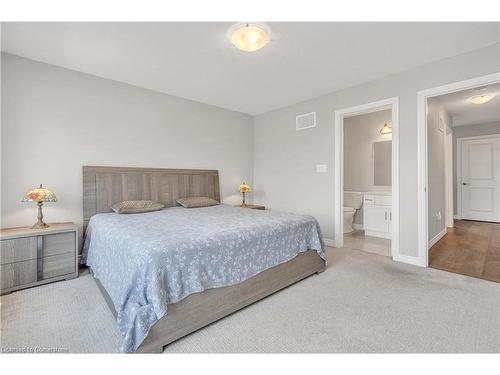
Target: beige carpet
[(361, 303)]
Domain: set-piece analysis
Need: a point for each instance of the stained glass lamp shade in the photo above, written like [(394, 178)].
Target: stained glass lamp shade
[(244, 188), (40, 195)]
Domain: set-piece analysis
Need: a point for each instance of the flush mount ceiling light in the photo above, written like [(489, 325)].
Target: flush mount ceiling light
[(386, 129), (249, 37), (481, 99)]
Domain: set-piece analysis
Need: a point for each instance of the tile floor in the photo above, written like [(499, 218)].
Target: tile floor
[(358, 241)]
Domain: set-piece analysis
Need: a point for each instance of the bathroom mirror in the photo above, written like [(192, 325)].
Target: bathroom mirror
[(382, 163)]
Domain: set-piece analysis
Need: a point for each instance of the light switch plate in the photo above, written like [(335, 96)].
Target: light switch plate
[(321, 168)]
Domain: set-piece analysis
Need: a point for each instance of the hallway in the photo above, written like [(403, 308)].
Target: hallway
[(470, 248)]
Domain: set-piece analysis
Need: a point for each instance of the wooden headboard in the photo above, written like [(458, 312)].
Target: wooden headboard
[(105, 186)]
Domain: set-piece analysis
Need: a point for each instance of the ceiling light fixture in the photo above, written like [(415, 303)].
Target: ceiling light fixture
[(249, 37), (386, 129), (481, 99)]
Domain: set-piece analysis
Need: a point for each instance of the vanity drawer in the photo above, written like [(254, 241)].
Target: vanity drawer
[(368, 199), (19, 273), (382, 200), (378, 200), (60, 243), (18, 249)]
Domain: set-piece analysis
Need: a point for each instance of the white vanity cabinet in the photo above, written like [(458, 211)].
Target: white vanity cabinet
[(377, 215)]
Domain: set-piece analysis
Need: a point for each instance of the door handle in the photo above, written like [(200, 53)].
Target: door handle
[(465, 183)]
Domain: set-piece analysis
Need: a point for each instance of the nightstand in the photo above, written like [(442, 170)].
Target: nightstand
[(32, 257), (252, 206)]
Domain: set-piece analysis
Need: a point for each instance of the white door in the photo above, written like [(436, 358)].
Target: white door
[(480, 179)]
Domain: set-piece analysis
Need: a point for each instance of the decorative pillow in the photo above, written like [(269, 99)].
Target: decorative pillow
[(136, 207), (193, 202)]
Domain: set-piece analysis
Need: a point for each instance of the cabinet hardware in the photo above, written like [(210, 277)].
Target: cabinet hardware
[(39, 258)]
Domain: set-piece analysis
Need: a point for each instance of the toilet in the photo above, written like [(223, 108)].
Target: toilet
[(352, 203)]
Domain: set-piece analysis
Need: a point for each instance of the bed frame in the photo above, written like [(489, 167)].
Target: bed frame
[(104, 186)]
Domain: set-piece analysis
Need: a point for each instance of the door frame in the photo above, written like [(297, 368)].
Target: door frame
[(422, 109), (340, 115), (448, 178), (459, 166)]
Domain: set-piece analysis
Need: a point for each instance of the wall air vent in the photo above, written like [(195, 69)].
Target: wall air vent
[(305, 121)]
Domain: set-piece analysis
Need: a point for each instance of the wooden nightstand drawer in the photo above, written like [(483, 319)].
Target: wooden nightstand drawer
[(18, 249), (19, 273), (27, 272), (61, 243), (57, 265), (32, 257)]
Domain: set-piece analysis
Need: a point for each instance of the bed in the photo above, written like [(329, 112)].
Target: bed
[(167, 273)]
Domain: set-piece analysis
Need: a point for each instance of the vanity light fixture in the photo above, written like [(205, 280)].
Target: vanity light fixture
[(386, 129), (481, 99), (249, 37)]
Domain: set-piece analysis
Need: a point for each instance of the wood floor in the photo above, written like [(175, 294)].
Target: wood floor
[(470, 248)]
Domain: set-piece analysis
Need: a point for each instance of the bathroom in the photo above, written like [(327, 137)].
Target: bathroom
[(367, 158)]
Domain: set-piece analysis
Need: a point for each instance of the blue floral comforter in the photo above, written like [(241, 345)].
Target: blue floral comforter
[(146, 261)]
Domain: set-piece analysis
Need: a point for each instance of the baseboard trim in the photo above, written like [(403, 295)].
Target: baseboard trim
[(357, 226), (330, 242), (436, 238), (414, 261), (374, 233)]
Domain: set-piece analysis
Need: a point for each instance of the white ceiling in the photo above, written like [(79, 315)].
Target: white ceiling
[(196, 60), (464, 112)]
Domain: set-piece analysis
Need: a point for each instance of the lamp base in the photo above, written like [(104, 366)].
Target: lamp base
[(40, 225)]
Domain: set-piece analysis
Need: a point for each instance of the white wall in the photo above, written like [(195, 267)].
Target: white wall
[(55, 120), (468, 131), (285, 175), (436, 166)]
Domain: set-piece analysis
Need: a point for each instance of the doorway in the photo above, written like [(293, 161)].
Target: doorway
[(383, 202), (459, 177)]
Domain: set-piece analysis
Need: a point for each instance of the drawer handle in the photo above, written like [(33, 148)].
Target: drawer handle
[(39, 258), (385, 215)]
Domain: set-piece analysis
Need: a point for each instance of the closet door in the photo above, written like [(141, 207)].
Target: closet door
[(480, 185)]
